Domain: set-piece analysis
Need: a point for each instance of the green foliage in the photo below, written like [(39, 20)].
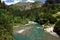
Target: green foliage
[(57, 27), (6, 28), (4, 34), (52, 20), (47, 10), (17, 14)]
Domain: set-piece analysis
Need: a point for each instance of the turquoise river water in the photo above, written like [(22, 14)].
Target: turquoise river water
[(34, 33)]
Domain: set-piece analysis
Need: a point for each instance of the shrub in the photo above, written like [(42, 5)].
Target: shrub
[(52, 19)]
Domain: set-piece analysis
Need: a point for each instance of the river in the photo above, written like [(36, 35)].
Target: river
[(33, 32)]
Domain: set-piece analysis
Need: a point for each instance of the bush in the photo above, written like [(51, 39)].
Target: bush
[(57, 28), (52, 19)]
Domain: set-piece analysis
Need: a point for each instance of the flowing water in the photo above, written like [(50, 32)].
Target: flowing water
[(33, 32)]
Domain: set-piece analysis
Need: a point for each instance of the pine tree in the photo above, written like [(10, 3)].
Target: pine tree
[(2, 4)]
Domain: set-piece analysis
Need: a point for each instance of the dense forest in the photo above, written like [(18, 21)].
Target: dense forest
[(42, 13), (5, 23)]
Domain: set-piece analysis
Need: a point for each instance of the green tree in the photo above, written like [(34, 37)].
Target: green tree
[(6, 28)]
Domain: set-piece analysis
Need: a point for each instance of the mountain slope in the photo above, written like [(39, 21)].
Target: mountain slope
[(27, 5)]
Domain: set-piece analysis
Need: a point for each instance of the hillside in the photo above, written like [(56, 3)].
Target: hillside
[(27, 5), (21, 13)]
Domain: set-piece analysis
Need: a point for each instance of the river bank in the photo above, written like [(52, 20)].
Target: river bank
[(50, 30)]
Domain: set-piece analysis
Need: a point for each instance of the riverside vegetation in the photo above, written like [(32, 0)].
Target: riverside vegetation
[(42, 13)]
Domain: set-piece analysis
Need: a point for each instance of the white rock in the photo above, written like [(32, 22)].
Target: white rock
[(21, 31)]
